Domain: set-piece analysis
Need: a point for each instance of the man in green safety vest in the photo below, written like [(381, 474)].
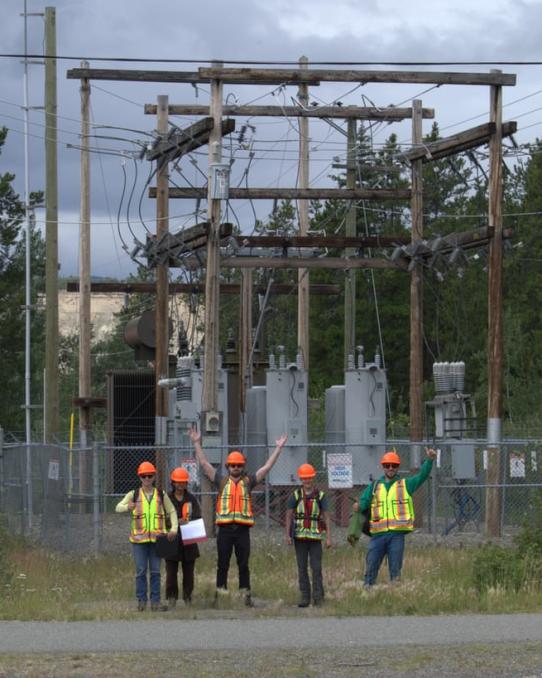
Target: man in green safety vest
[(389, 500)]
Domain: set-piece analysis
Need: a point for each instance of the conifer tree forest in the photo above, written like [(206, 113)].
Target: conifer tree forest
[(455, 297)]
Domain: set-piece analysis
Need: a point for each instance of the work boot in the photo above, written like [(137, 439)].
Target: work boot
[(171, 603), (247, 597), (141, 605), (158, 607), (304, 602), (221, 594)]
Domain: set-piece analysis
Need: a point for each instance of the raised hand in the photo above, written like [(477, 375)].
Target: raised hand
[(195, 435)]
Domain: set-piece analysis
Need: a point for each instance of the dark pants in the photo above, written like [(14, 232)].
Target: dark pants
[(172, 588), (391, 544), (232, 537), (309, 550)]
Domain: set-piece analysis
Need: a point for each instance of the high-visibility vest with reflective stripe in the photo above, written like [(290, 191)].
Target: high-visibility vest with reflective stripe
[(391, 509), (186, 510), (234, 503), (307, 516), (148, 518)]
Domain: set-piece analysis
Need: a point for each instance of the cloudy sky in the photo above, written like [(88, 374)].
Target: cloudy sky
[(253, 30)]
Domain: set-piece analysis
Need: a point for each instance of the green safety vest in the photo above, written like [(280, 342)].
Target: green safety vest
[(391, 510), (148, 518)]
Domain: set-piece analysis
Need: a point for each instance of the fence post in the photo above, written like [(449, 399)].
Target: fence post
[(267, 504), (96, 519), (434, 501)]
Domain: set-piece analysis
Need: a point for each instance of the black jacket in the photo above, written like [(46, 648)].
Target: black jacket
[(190, 551)]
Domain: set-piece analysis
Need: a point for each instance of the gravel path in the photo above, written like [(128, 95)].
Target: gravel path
[(230, 634), (496, 646)]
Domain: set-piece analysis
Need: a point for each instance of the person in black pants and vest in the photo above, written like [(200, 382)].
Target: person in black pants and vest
[(234, 514), (187, 508), (307, 518)]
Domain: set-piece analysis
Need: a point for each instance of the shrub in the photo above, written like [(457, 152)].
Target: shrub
[(529, 539), (6, 568), (497, 567)]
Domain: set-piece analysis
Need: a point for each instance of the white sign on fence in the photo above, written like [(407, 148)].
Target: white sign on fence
[(339, 470), (517, 465), (54, 469)]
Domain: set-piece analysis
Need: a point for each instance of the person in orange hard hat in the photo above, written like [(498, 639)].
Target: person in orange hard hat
[(389, 500), (187, 508), (150, 508), (234, 515), (307, 518)]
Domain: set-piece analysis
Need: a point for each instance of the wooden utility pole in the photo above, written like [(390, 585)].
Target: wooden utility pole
[(212, 277), (209, 402), (495, 320), (161, 273), (51, 231), (245, 337), (350, 275), (416, 299), (303, 211), (84, 271)]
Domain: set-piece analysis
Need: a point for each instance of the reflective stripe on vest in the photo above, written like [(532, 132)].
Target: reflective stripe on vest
[(148, 518), (307, 518), (391, 510), (234, 503), (186, 511)]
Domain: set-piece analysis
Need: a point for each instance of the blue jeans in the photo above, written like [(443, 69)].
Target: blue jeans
[(145, 558), (391, 544)]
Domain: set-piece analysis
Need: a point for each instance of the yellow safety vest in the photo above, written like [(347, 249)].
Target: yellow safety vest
[(148, 518), (391, 510), (234, 503), (307, 518)]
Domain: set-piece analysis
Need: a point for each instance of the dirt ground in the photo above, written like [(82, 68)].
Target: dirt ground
[(523, 659)]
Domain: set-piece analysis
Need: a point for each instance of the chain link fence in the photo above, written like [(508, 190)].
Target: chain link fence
[(65, 498)]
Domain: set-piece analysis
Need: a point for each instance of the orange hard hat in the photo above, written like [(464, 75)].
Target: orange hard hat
[(145, 468), (391, 458), (306, 472), (235, 457), (179, 475)]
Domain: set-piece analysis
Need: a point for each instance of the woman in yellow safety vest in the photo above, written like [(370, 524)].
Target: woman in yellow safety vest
[(149, 507)]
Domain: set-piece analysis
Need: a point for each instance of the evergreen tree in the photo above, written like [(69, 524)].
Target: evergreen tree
[(12, 302)]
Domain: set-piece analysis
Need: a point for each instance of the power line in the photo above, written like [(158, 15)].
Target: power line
[(149, 60)]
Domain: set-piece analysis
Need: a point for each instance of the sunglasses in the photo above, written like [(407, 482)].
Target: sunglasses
[(390, 465), (236, 465), (148, 476)]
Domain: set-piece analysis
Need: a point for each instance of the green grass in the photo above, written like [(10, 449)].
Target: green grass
[(436, 580)]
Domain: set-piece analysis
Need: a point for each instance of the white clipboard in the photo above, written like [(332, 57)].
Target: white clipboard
[(193, 532)]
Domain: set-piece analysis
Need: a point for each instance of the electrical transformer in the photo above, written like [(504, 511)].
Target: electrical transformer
[(276, 408), (356, 416), (451, 419), (185, 410)]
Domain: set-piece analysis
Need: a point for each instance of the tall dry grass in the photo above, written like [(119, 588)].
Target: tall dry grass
[(436, 580)]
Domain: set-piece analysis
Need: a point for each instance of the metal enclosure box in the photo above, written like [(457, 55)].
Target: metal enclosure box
[(334, 412), (256, 427), (184, 413), (365, 420), (463, 465), (286, 412)]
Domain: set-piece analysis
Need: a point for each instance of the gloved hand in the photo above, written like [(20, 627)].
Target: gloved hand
[(352, 539)]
